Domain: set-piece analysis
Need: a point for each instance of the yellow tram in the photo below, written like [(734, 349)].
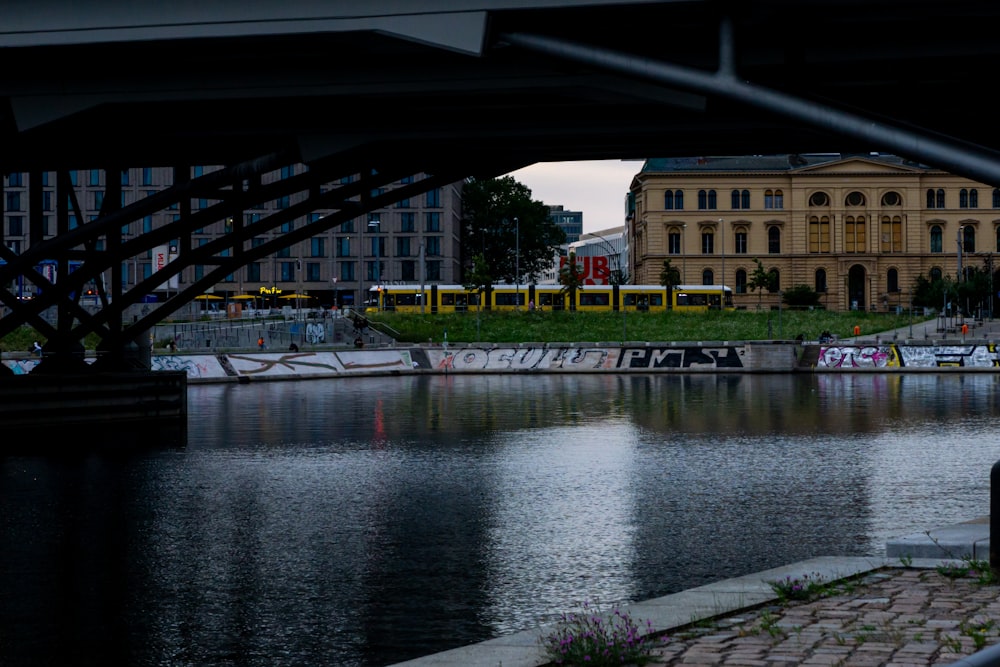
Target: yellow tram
[(435, 299)]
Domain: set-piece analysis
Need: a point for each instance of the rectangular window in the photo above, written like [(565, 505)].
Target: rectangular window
[(312, 271), (402, 246), (433, 248), (95, 177), (434, 270), (286, 272), (147, 176), (408, 222), (98, 200), (317, 246), (347, 272), (408, 269), (15, 225), (13, 201), (434, 198), (125, 177), (432, 222), (343, 246), (403, 203), (287, 226), (15, 179), (253, 272)]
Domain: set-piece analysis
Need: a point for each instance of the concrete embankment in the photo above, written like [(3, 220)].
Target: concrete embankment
[(598, 357)]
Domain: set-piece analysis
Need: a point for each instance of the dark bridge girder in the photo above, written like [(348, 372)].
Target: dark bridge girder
[(467, 87)]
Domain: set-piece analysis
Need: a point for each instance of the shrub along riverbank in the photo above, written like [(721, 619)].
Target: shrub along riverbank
[(562, 327)]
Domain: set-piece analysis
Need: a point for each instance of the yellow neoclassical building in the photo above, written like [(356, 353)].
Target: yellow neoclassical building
[(858, 229)]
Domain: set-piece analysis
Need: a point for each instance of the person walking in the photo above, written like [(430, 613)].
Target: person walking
[(260, 343)]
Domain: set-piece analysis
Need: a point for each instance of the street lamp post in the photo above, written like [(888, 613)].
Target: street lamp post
[(683, 255), (517, 264), (376, 223), (722, 240)]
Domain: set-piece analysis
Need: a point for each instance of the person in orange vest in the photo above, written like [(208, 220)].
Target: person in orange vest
[(260, 343), (965, 329), (857, 330)]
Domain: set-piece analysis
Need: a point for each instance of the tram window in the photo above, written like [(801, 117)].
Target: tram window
[(594, 299), (447, 299), (545, 299), (504, 299)]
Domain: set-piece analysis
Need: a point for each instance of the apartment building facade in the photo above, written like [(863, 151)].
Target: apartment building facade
[(859, 229), (414, 239)]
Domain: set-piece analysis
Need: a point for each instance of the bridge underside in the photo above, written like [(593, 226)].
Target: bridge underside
[(474, 89)]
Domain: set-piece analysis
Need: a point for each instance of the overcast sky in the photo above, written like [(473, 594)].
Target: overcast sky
[(596, 187)]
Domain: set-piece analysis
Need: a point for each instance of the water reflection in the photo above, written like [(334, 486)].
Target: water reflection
[(368, 521)]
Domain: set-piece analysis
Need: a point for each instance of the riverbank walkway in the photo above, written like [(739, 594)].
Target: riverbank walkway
[(904, 610)]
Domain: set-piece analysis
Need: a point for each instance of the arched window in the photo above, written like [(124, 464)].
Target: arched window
[(668, 200), (819, 199), (963, 198), (774, 240), (892, 233), (854, 198), (741, 281), (706, 200), (854, 233), (935, 273), (892, 281), (740, 237), (707, 242), (673, 200), (936, 244), (819, 233), (973, 198), (892, 198), (707, 277), (821, 280), (996, 197), (740, 199), (678, 200), (774, 199), (674, 241), (935, 198), (776, 283), (968, 239)]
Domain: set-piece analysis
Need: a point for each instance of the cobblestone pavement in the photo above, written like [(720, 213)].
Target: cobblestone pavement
[(895, 617)]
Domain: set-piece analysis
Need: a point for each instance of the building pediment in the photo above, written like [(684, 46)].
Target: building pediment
[(861, 165)]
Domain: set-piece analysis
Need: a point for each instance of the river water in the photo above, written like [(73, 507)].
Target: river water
[(367, 521)]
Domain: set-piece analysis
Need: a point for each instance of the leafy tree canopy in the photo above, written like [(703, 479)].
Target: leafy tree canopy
[(801, 295), (500, 217), (762, 279), (571, 279), (670, 276)]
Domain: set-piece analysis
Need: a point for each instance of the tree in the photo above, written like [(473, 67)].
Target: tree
[(478, 278), (512, 232), (571, 279), (801, 296), (762, 279), (670, 277)]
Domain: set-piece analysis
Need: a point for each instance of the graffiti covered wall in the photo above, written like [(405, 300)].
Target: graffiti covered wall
[(890, 356)]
